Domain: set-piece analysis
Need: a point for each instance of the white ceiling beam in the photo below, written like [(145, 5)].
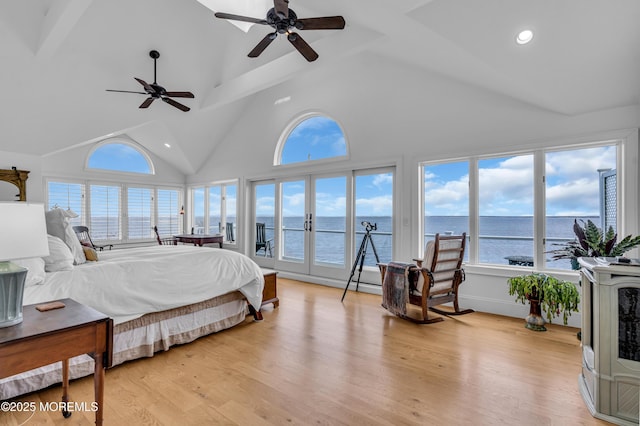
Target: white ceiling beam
[(341, 44), (61, 18)]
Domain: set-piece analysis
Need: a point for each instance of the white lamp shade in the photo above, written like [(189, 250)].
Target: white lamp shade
[(23, 231)]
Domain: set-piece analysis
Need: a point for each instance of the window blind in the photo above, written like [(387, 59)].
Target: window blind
[(139, 217), (169, 217), (67, 195), (105, 212)]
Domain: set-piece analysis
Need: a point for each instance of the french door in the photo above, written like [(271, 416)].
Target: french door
[(313, 222), (306, 223)]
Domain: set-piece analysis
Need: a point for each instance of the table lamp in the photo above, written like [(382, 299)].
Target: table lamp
[(23, 234)]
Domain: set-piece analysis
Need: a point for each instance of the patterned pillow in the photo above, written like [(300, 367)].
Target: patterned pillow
[(90, 254)]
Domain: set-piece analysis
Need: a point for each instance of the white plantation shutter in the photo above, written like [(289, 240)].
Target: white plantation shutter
[(139, 217), (105, 212), (169, 218), (67, 195)]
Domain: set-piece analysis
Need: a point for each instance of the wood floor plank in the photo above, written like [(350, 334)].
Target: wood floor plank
[(315, 360)]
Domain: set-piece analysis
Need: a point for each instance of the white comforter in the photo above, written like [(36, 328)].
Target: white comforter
[(128, 283)]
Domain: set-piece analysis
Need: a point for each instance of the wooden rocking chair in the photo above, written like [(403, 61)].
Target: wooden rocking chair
[(166, 241), (441, 271)]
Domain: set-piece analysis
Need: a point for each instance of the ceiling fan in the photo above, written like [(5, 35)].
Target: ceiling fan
[(284, 21), (155, 91)]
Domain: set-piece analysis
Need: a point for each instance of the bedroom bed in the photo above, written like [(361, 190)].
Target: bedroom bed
[(157, 296)]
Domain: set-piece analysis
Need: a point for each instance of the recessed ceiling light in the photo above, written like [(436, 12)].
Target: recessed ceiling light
[(167, 145), (524, 37)]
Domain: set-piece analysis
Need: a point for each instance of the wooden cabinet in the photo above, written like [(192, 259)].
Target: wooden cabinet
[(46, 337), (610, 378)]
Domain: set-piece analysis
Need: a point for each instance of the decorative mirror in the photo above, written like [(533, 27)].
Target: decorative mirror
[(17, 178)]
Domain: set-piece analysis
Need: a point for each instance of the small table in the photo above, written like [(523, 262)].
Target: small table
[(46, 337), (520, 260), (200, 239)]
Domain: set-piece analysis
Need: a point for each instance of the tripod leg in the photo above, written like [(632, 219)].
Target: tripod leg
[(375, 252), (353, 268), (364, 254)]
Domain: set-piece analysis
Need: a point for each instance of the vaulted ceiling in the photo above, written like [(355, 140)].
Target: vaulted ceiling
[(59, 56)]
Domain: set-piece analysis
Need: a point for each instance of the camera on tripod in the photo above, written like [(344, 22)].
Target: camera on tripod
[(369, 226), (362, 252)]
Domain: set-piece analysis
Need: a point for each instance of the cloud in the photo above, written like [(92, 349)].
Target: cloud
[(330, 205), (382, 179), (375, 206)]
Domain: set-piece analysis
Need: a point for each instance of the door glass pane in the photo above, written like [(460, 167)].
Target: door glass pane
[(446, 200), (329, 225), (198, 211), (506, 210), (265, 213), (374, 204), (578, 186), (293, 221), (230, 208), (215, 207)]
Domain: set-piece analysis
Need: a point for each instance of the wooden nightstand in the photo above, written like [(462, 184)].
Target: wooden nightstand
[(43, 338), (270, 290)]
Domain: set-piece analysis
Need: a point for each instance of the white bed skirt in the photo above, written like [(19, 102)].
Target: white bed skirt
[(140, 338)]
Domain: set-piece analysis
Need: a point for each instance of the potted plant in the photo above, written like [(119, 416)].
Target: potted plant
[(544, 293), (592, 242)]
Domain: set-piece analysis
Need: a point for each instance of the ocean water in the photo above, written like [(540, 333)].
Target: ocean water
[(500, 236)]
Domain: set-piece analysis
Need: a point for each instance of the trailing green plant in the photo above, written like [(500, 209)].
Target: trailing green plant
[(556, 296), (591, 241)]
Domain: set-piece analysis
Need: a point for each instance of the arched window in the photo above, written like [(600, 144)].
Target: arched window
[(310, 138), (119, 156)]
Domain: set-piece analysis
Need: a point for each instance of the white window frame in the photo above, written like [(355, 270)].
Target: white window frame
[(85, 215), (539, 171)]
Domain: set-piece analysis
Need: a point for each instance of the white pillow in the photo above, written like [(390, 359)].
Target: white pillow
[(35, 268), (60, 257), (58, 225)]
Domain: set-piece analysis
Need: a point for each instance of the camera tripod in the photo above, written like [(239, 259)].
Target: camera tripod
[(362, 252)]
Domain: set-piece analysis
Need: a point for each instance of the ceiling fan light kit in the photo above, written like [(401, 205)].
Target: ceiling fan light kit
[(155, 91), (285, 21)]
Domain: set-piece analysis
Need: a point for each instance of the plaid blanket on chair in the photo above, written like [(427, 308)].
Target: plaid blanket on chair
[(395, 287)]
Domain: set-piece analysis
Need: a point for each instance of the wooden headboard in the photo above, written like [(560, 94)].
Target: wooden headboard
[(18, 178)]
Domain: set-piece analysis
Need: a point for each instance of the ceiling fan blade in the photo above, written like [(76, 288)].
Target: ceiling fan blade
[(266, 41), (146, 86), (282, 8), (125, 91), (146, 103), (325, 23), (179, 94), (223, 15), (176, 104), (303, 47)]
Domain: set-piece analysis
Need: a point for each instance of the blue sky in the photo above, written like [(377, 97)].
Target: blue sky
[(314, 139), (121, 157)]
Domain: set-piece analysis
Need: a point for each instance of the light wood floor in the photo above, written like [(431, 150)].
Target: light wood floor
[(315, 360)]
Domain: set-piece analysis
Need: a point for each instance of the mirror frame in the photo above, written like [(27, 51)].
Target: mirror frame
[(18, 178)]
